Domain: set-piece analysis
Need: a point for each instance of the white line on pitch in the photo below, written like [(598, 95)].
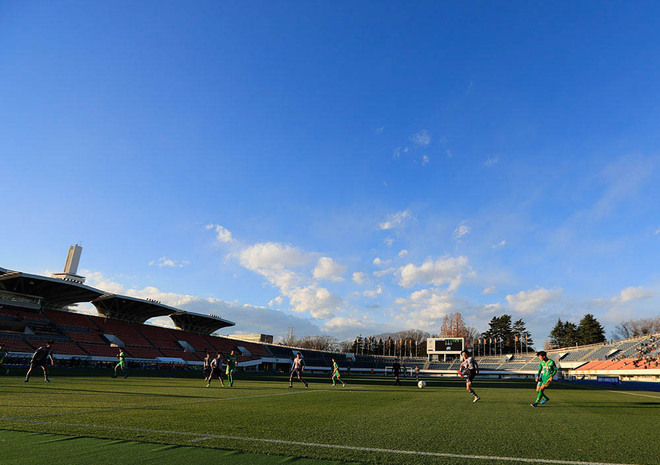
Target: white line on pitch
[(206, 436), (636, 394)]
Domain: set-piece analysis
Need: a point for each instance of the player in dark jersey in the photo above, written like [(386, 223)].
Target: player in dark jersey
[(40, 358), (396, 370), (297, 368), (547, 369), (121, 364), (216, 370), (468, 370), (3, 355)]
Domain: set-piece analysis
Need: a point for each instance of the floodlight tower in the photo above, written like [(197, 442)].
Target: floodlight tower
[(71, 266)]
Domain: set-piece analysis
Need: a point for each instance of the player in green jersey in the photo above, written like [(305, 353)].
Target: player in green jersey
[(3, 355), (547, 369), (121, 364), (335, 374), (231, 367)]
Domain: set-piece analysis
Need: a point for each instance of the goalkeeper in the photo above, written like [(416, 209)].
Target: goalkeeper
[(547, 369)]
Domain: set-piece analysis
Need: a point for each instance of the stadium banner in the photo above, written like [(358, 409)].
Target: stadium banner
[(609, 379)]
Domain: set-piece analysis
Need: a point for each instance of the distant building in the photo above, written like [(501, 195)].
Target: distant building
[(71, 266), (265, 338)]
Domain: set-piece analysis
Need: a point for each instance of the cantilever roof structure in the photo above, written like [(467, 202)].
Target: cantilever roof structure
[(56, 293), (196, 323), (130, 309)]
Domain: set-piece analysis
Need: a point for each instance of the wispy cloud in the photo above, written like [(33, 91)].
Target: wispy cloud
[(533, 300), (461, 231), (222, 234), (394, 220), (448, 271), (491, 161), (499, 245), (421, 138), (164, 262)]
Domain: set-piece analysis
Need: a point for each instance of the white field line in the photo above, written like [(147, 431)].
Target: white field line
[(636, 394), (169, 404), (205, 436)]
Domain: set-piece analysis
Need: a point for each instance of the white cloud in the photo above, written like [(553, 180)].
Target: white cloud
[(425, 308), (488, 290), (461, 230), (380, 262), (327, 268), (450, 271), (381, 273), (398, 151), (360, 277), (248, 318), (345, 324), (421, 138), (318, 301), (425, 160), (632, 294), (499, 245), (491, 308), (272, 256), (373, 294), (403, 253), (222, 234), (167, 262), (389, 241), (532, 300), (394, 220)]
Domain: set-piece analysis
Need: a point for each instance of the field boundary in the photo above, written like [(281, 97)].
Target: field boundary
[(198, 437)]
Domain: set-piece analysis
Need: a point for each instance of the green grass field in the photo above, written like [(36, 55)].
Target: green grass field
[(262, 421)]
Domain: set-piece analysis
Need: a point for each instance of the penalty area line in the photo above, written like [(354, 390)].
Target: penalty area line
[(196, 437)]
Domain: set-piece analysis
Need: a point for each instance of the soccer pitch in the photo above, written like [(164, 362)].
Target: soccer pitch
[(261, 420)]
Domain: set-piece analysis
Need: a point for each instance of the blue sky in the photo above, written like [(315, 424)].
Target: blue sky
[(340, 168)]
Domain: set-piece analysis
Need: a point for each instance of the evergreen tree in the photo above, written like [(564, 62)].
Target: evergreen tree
[(564, 334), (525, 337), (501, 330), (590, 331)]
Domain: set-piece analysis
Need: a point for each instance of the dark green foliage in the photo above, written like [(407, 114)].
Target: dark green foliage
[(590, 331), (567, 334)]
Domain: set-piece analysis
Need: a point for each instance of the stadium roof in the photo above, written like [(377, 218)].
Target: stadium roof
[(196, 323), (131, 309), (3, 270), (54, 292)]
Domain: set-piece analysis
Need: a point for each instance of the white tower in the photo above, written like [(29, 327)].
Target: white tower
[(71, 266)]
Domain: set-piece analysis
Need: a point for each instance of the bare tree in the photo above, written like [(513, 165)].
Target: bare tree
[(635, 328)]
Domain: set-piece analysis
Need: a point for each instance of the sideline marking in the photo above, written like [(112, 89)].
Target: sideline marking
[(635, 394), (205, 436)]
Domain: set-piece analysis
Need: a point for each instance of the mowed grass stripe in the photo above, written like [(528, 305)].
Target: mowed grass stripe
[(202, 437), (578, 425)]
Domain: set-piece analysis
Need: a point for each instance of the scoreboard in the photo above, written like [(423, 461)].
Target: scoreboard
[(445, 345)]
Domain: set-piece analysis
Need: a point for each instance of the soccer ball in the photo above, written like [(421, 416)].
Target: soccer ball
[(421, 384)]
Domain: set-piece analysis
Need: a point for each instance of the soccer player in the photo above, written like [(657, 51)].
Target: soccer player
[(468, 370), (297, 367), (231, 367), (396, 369), (122, 364), (3, 354), (207, 365), (416, 371), (216, 370), (335, 374), (547, 369), (40, 358)]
